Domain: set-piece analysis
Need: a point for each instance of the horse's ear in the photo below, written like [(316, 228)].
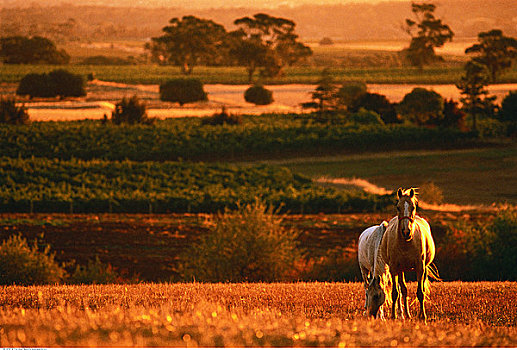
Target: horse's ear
[(411, 193), (399, 192)]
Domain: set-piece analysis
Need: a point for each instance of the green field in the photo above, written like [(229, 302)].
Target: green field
[(153, 74), (477, 176)]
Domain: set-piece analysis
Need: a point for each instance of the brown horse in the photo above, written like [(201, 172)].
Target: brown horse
[(408, 245)]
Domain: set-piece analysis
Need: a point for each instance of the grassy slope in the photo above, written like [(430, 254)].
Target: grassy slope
[(240, 315), (480, 176)]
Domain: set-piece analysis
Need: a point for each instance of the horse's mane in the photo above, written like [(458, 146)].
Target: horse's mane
[(415, 190)]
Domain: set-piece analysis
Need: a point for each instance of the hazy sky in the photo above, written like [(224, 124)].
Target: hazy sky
[(191, 3)]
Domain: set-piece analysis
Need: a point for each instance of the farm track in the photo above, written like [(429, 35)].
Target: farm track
[(147, 246)]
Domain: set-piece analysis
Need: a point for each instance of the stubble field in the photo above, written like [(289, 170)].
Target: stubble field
[(243, 315)]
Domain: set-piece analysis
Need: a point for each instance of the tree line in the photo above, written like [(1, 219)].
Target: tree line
[(262, 42)]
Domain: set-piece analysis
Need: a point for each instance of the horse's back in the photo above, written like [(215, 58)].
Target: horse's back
[(368, 243)]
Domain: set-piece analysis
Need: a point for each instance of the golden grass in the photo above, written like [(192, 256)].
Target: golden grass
[(241, 315)]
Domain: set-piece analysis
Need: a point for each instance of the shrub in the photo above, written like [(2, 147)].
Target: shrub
[(350, 92), (491, 128), (508, 111), (480, 251), (222, 118), (377, 103), (248, 244), (430, 193), (12, 114), (67, 84), (94, 272), (101, 60), (25, 265), (258, 95), (36, 85), (182, 91), (365, 117), (504, 245), (421, 106), (56, 83), (130, 111), (453, 117)]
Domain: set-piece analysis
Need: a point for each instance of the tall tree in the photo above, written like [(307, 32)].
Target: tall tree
[(325, 93), (472, 86), (188, 42), (494, 51), (275, 41), (248, 50), (24, 50), (427, 33)]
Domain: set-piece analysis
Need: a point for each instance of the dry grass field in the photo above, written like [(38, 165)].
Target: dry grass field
[(241, 315)]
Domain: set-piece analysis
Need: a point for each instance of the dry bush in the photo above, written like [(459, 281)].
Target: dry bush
[(429, 192), (248, 244)]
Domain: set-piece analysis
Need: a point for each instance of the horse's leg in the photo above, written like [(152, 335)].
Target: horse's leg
[(394, 296), (420, 292), (403, 290), (364, 273)]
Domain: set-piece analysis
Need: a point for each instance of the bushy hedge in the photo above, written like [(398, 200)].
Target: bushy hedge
[(256, 137), (56, 83), (182, 91)]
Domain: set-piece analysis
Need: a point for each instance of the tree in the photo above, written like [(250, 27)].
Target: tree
[(325, 93), (422, 106), (377, 103), (427, 33), (249, 51), (23, 50), (495, 51), (475, 96), (350, 92), (188, 42), (274, 40)]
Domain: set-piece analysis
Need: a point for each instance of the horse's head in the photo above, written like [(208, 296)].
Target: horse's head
[(375, 297), (406, 208)]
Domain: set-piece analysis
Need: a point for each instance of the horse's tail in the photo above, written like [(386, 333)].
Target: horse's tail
[(431, 271)]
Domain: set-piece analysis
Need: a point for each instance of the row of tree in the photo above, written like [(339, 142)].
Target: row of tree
[(261, 42)]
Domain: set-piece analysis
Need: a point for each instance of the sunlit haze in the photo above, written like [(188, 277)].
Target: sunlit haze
[(192, 3)]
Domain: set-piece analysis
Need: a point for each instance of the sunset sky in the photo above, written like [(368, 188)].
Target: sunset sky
[(189, 3)]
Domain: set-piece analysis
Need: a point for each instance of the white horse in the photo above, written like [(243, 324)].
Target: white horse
[(375, 272)]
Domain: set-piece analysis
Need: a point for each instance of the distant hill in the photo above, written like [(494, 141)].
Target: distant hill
[(347, 21)]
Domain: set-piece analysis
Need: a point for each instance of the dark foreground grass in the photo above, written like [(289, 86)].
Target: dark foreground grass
[(242, 315)]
